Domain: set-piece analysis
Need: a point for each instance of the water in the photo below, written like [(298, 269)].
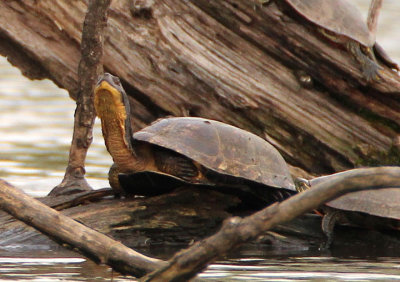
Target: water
[(36, 123), (36, 120), (245, 269)]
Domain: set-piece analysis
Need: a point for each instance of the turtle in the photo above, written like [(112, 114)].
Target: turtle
[(372, 209), (342, 23), (177, 150)]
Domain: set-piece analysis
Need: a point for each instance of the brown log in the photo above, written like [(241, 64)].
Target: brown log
[(260, 69), (176, 220), (235, 231), (92, 243), (173, 221)]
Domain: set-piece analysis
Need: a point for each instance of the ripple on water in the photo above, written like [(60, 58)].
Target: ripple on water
[(304, 268)]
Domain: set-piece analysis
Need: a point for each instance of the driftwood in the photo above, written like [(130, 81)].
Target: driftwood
[(259, 69), (93, 244), (174, 219), (186, 264), (235, 231)]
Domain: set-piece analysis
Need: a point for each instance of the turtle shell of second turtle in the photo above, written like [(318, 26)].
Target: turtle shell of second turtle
[(338, 16), (222, 148), (381, 202)]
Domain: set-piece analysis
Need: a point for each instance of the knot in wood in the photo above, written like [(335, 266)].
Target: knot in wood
[(233, 222)]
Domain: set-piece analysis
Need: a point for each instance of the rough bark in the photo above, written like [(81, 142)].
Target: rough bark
[(259, 68)]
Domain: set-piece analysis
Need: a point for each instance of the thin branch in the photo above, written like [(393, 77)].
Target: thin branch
[(373, 15), (90, 67), (235, 231)]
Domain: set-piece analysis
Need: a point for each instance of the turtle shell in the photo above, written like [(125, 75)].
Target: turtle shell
[(221, 148), (338, 16), (382, 202)]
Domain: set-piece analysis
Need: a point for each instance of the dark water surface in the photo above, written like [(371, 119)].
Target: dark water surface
[(36, 120)]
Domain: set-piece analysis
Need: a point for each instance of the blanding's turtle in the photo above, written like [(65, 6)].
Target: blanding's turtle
[(341, 22), (173, 151), (372, 209)]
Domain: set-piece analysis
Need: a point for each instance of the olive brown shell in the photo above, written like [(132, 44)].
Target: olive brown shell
[(222, 148), (338, 16)]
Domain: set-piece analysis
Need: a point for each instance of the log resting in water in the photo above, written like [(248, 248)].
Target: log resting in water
[(181, 217), (258, 69)]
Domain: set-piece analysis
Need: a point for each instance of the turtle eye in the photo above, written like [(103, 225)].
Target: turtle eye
[(116, 80)]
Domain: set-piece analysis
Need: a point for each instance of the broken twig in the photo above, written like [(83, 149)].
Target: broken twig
[(373, 15), (90, 67)]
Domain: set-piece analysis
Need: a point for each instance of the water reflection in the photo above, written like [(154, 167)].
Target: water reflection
[(55, 269), (304, 268), (249, 269)]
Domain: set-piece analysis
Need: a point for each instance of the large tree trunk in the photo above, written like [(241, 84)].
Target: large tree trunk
[(222, 60)]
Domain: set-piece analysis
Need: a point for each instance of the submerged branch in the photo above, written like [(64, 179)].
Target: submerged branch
[(235, 231)]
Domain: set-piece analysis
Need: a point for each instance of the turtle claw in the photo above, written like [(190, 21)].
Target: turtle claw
[(302, 184), (371, 71), (185, 169), (366, 58)]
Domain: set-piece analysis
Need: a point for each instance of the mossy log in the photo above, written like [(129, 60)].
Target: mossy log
[(255, 67)]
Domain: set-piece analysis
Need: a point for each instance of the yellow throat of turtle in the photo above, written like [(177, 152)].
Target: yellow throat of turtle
[(110, 108)]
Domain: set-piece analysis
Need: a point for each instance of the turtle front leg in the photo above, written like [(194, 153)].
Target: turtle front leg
[(328, 225), (114, 180), (177, 165), (366, 58)]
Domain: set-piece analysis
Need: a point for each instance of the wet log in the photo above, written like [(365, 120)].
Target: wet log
[(235, 231), (179, 218), (259, 68), (63, 229)]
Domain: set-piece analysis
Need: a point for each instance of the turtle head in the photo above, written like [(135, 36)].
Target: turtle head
[(110, 96), (112, 107)]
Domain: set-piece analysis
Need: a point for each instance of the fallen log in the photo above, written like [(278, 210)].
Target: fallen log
[(188, 214), (235, 231), (259, 69), (63, 229)]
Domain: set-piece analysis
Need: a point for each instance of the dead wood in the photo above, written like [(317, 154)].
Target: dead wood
[(172, 221), (235, 230), (373, 15), (259, 68), (90, 67), (91, 243)]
